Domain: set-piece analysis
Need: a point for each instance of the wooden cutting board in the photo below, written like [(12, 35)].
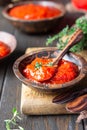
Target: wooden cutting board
[(38, 103)]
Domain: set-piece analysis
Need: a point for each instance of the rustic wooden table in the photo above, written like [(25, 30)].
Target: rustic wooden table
[(10, 86)]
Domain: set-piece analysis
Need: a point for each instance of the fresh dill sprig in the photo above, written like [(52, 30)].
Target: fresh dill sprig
[(63, 32), (13, 120), (51, 39), (63, 36)]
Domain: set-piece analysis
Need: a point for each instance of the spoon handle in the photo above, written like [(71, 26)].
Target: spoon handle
[(76, 37)]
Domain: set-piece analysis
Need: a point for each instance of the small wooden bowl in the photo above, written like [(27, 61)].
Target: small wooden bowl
[(35, 26), (21, 62)]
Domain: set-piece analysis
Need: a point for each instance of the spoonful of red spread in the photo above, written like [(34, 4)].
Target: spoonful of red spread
[(40, 69), (43, 69)]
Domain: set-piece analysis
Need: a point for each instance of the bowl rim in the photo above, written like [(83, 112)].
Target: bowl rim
[(58, 5), (44, 86), (6, 42)]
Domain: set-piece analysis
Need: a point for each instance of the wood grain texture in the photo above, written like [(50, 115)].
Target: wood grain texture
[(10, 96), (38, 103), (85, 124), (83, 54), (3, 63)]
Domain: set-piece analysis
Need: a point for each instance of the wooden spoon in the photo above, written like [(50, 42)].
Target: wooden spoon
[(75, 38), (47, 72)]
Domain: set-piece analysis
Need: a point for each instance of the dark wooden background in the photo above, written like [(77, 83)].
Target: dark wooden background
[(10, 86)]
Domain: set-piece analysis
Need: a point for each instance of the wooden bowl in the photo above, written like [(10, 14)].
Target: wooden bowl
[(35, 26), (21, 62), (9, 40)]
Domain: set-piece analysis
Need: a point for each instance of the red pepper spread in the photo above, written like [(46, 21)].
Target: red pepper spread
[(4, 49), (80, 4), (42, 68), (33, 12)]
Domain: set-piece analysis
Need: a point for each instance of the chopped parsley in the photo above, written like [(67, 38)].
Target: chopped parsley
[(38, 65)]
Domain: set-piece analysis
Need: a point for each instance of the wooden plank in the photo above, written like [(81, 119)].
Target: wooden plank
[(51, 123), (4, 26), (3, 68), (8, 100), (39, 103), (12, 86), (85, 124)]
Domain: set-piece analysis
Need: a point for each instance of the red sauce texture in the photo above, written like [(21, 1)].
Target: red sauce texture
[(33, 12), (4, 49), (64, 72), (80, 4)]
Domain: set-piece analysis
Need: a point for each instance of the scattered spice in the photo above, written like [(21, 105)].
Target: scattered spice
[(34, 12)]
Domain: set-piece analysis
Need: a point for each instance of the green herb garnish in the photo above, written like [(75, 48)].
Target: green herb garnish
[(64, 36), (82, 24), (38, 65), (49, 64), (13, 121)]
